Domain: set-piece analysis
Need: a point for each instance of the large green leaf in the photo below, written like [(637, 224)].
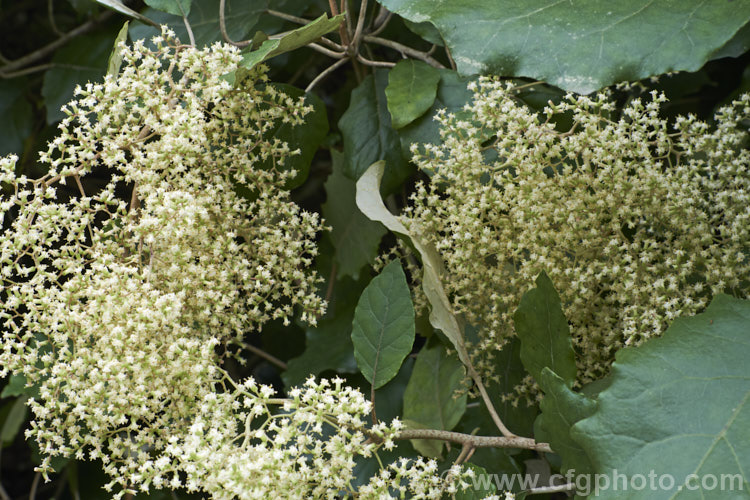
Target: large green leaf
[(412, 87), (292, 40), (368, 133), (240, 16), (17, 117), (82, 60), (176, 7), (383, 327), (306, 137), (579, 45), (545, 336), (679, 405), (355, 237), (429, 398)]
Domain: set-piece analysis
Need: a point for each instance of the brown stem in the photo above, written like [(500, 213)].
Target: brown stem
[(475, 441), (466, 450), (488, 403), (27, 71), (377, 64), (288, 17), (406, 51), (360, 25), (263, 354), (330, 69), (328, 52), (223, 28)]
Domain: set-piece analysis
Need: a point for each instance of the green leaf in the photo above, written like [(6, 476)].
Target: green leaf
[(581, 45), (306, 137), (678, 405), (16, 124), (368, 133), (480, 487), (240, 16), (561, 408), (452, 95), (115, 58), (84, 59), (412, 87), (15, 387), (383, 327), (545, 336), (429, 397), (176, 7), (292, 40), (355, 237), (442, 317), (13, 421), (118, 6)]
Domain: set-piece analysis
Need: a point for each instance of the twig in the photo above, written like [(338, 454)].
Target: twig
[(323, 50), (51, 47), (406, 51), (330, 69), (377, 64), (263, 354), (187, 24), (360, 24), (34, 485), (27, 71), (223, 28), (331, 281), (475, 441), (288, 17), (4, 494), (344, 9), (466, 450), (551, 489), (334, 8), (189, 30), (449, 56), (488, 403), (332, 44), (51, 16), (380, 27), (342, 29)]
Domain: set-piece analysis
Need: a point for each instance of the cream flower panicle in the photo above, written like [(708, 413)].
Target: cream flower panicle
[(635, 220)]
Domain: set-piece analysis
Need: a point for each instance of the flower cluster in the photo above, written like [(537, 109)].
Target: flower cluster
[(635, 221), (134, 256)]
